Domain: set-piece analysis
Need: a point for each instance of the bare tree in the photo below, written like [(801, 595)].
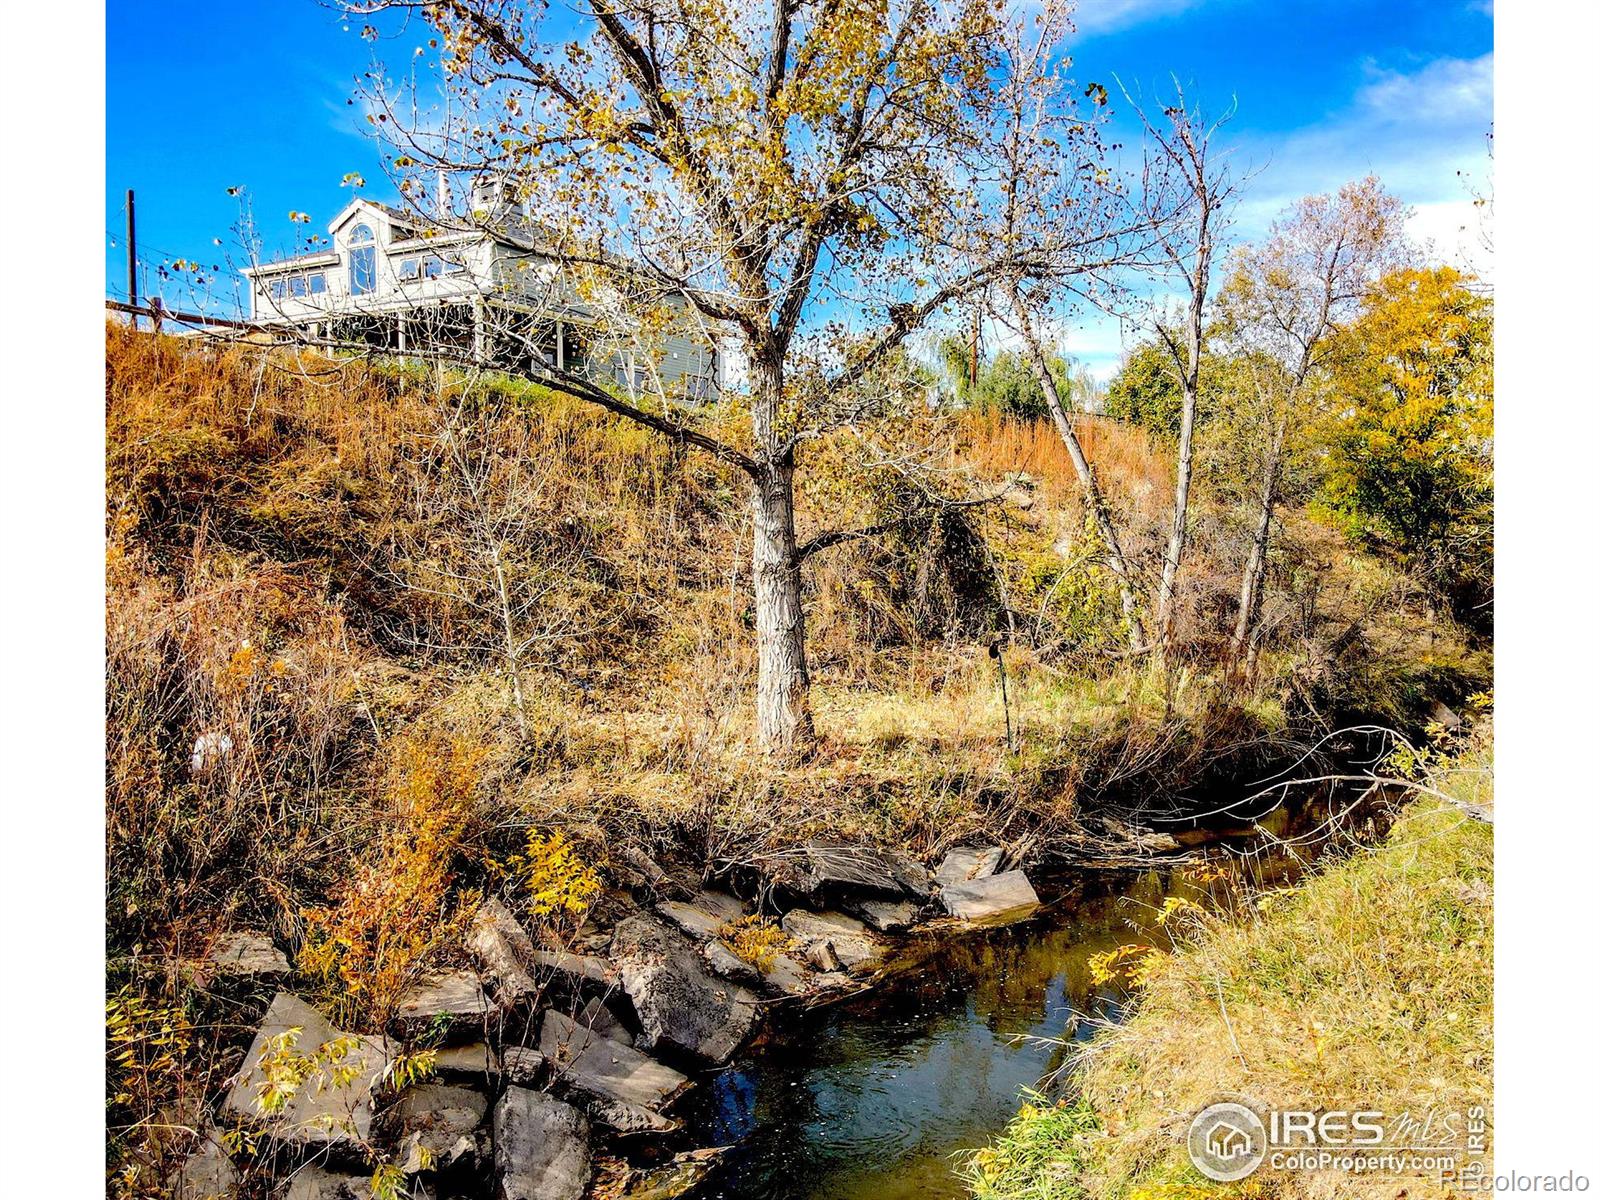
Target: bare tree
[(757, 167), (1282, 301), (1088, 230), (1187, 164)]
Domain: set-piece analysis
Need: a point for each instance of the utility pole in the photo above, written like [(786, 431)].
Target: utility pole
[(133, 263)]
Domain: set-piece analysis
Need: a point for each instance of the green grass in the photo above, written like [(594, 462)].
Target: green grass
[(1370, 986)]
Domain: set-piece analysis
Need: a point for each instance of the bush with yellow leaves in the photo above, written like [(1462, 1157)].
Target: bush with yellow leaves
[(398, 913)]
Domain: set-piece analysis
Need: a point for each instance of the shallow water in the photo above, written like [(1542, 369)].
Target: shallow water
[(876, 1098)]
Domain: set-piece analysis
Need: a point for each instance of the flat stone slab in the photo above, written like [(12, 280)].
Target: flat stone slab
[(886, 916), (963, 864), (678, 1003), (498, 941), (849, 939), (726, 963), (453, 1001), (541, 1147), (578, 969), (247, 954), (703, 917), (999, 897), (844, 870), (438, 1123), (789, 977), (474, 1060), (591, 1063), (321, 1112)]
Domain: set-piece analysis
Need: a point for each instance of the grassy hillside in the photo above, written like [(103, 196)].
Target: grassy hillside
[(348, 603), (1372, 986)]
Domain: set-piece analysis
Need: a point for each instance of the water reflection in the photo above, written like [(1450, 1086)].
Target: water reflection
[(871, 1100)]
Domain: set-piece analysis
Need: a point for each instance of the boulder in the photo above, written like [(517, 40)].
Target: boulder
[(1441, 714), (207, 1174), (247, 955), (449, 1003), (315, 1183), (886, 916), (498, 941), (852, 945), (838, 870), (437, 1124), (322, 1112), (595, 1065), (541, 1147), (522, 1065), (472, 1061), (788, 976), (578, 969), (997, 898), (966, 863), (678, 1003), (729, 965), (704, 918)]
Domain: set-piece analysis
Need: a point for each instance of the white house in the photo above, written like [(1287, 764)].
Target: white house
[(397, 281)]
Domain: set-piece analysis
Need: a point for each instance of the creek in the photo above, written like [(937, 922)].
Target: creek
[(876, 1098)]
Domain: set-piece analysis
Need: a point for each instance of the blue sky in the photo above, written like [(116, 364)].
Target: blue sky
[(203, 97)]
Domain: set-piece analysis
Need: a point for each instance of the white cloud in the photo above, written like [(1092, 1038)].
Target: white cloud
[(1445, 92), (1108, 16), (1421, 132)]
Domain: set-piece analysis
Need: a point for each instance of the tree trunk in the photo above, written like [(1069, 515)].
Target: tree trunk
[(783, 702), (783, 706), (1098, 508), (1255, 567), (1180, 509)]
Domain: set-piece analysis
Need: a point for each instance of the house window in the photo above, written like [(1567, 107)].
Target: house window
[(632, 378), (431, 267), (317, 284), (363, 261), (454, 268), (409, 269)]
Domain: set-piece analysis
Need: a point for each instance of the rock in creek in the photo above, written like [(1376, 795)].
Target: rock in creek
[(207, 1174), (437, 1124), (541, 1147), (678, 1003), (966, 863), (250, 955), (680, 1177), (451, 1003), (323, 1113), (852, 946), (997, 898), (886, 916)]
